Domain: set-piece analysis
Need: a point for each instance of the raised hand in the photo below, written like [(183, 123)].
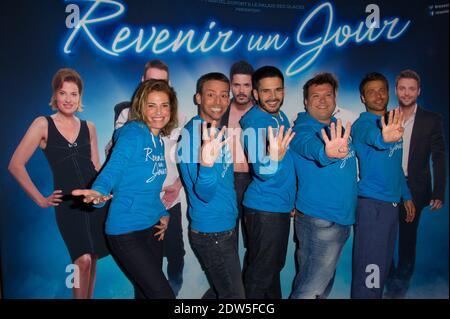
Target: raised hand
[(337, 146), (278, 145), (91, 196), (162, 227), (393, 130), (53, 200), (212, 145)]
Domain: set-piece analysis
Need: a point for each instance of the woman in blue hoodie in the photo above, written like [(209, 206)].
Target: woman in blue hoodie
[(134, 175)]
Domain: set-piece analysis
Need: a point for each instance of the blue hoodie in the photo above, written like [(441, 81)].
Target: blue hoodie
[(212, 203), (134, 174), (326, 186), (380, 164), (274, 182)]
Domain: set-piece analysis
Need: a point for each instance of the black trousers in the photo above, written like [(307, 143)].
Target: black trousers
[(241, 182), (219, 259), (173, 249), (139, 254), (400, 275), (267, 235)]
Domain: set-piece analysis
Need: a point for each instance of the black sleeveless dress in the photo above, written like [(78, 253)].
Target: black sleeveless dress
[(80, 224)]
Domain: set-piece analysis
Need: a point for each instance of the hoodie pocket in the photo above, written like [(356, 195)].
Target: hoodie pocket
[(146, 204)]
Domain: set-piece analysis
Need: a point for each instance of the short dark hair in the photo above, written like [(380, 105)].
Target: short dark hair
[(156, 64), (241, 67), (318, 79), (209, 77), (373, 76), (266, 72), (408, 74)]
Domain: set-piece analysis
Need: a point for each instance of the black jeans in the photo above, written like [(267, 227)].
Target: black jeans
[(241, 182), (267, 238), (139, 255), (173, 249), (219, 259), (399, 277)]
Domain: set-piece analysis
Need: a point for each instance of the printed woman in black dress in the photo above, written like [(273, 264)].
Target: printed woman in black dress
[(70, 146)]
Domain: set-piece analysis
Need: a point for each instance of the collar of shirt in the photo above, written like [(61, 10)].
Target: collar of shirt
[(412, 118)]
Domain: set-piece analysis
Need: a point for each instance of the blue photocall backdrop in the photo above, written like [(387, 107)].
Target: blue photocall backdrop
[(116, 38)]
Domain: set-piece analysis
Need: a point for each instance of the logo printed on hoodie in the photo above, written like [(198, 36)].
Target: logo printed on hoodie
[(344, 160), (395, 147), (159, 165)]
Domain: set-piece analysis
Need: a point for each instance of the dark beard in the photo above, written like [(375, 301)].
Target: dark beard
[(235, 100)]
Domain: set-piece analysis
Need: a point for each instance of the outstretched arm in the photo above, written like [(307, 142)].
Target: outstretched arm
[(126, 145), (91, 196), (390, 132), (310, 146)]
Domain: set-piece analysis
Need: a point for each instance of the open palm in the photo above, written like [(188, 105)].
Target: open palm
[(337, 146), (278, 145), (393, 130), (212, 145)]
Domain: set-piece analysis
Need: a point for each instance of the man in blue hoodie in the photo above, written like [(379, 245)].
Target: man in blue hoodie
[(326, 199), (381, 188), (206, 167), (269, 198)]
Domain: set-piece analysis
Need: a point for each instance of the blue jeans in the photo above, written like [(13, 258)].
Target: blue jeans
[(218, 256), (320, 244), (373, 246), (267, 239)]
